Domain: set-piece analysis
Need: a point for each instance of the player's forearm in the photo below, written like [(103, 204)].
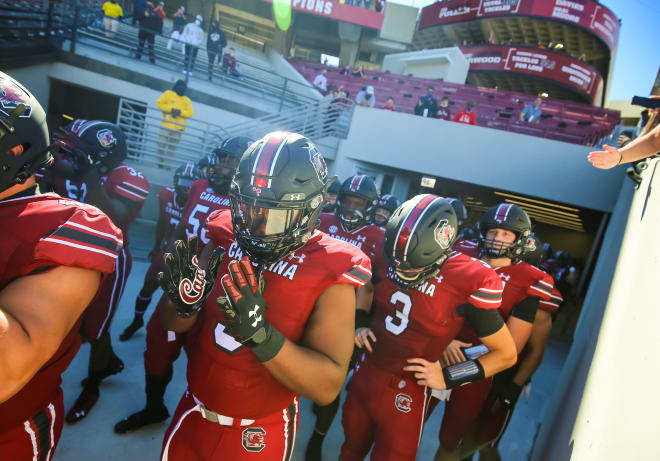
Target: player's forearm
[(308, 372), (536, 347), (364, 296), (528, 366), (642, 147), (169, 318), (15, 371)]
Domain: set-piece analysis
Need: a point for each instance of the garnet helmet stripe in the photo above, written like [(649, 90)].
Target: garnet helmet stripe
[(355, 184), (502, 212), (267, 153), (410, 224)]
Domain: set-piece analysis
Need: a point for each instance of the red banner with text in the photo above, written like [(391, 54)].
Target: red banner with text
[(339, 11), (558, 67), (585, 13)]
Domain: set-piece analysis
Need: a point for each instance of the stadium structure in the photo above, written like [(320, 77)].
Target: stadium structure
[(499, 54)]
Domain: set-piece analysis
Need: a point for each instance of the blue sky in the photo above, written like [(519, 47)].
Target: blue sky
[(637, 57)]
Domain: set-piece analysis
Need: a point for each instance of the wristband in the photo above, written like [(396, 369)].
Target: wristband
[(362, 319), (462, 373), (268, 346), (474, 352)]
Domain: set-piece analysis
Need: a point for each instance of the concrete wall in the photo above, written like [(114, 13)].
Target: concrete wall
[(399, 23), (281, 66), (498, 159), (448, 64), (606, 404)]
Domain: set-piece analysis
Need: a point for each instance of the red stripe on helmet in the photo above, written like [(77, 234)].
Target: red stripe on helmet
[(267, 153), (502, 212), (409, 223), (355, 184)]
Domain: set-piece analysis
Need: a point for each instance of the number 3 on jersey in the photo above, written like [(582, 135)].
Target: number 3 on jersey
[(197, 219), (397, 324)]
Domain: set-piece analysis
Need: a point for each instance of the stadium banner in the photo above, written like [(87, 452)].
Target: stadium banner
[(588, 14), (339, 11), (557, 67)]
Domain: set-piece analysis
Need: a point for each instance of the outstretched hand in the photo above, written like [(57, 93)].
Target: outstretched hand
[(605, 159)]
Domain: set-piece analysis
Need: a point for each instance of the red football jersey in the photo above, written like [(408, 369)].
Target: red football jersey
[(421, 322), (123, 181), (49, 231), (520, 281), (222, 373), (202, 201), (466, 247), (552, 306), (170, 210), (368, 238)]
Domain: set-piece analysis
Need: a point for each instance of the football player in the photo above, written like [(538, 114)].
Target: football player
[(331, 196), (386, 206), (463, 245), (423, 294), (89, 167), (269, 333), (350, 222), (163, 347), (504, 230), (171, 201), (507, 386), (55, 253)]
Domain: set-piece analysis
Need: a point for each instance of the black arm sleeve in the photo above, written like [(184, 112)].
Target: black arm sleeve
[(484, 322), (526, 309)]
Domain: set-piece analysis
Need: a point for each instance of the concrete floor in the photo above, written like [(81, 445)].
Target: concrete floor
[(94, 438)]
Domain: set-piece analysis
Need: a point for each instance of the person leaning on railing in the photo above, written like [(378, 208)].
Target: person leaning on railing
[(113, 13), (646, 145), (176, 107)]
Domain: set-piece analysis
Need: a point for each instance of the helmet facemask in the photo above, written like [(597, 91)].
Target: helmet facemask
[(220, 174), (352, 211), (495, 249)]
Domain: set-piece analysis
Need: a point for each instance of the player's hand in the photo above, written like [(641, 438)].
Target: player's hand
[(187, 280), (176, 112), (507, 396), (605, 159), (244, 309), (362, 338), (426, 373), (453, 353)]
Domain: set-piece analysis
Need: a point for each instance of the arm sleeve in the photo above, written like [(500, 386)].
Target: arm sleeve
[(526, 309), (541, 287), (359, 272), (187, 111), (164, 102), (488, 294), (132, 188), (484, 322)]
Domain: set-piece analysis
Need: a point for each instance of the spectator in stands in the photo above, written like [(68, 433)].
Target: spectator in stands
[(389, 105), (160, 11), (427, 106), (176, 40), (229, 64), (443, 111), (149, 24), (646, 145), (358, 72), (138, 10), (532, 111), (176, 108), (321, 82), (179, 19), (366, 97), (466, 115), (344, 71), (215, 42), (380, 4), (193, 35), (113, 13)]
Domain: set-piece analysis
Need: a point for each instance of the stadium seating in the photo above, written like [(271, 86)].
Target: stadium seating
[(562, 120)]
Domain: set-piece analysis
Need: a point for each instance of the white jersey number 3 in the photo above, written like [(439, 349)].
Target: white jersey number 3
[(397, 324)]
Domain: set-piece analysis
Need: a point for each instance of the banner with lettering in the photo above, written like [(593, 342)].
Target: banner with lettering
[(339, 11)]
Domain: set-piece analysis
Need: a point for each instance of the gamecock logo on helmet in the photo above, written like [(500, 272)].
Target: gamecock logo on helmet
[(531, 244), (444, 234), (10, 97), (106, 138), (191, 292), (254, 439), (319, 164), (403, 402)]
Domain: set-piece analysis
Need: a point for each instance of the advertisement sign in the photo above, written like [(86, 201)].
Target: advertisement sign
[(584, 13), (339, 11), (542, 63)]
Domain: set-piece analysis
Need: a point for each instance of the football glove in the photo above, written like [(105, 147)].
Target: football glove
[(244, 309), (186, 284)]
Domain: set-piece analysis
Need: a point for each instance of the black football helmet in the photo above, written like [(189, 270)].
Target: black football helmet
[(361, 186), (418, 239), (22, 123), (510, 217), (276, 196), (184, 177), (386, 202), (205, 162), (228, 154), (459, 208), (92, 142), (468, 233), (533, 250), (333, 188)]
